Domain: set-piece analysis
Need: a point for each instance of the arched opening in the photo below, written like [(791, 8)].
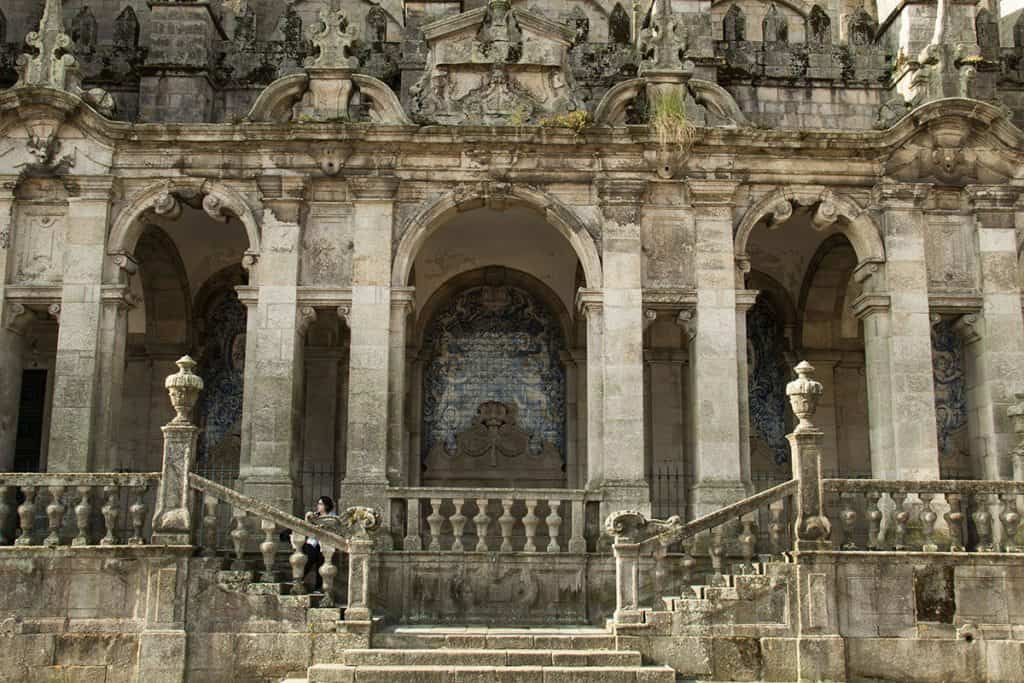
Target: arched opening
[(804, 269), (493, 396)]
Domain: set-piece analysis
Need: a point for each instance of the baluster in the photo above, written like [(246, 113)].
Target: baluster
[(874, 520), (689, 563), (662, 582), (506, 522), (578, 543), (530, 522), (482, 522), (715, 551), (434, 519), (268, 549), (983, 523), (554, 522), (748, 542), (83, 511), (297, 560), (413, 540), (27, 515), (777, 527), (954, 519), (137, 514), (6, 511), (55, 515), (901, 516), (458, 521), (111, 511), (239, 535), (209, 525), (848, 520), (928, 518), (1011, 522), (328, 571)]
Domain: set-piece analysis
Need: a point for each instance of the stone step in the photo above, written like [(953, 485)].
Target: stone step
[(339, 673), (493, 638), (492, 658)]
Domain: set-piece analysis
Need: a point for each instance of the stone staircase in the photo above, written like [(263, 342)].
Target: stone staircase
[(488, 655)]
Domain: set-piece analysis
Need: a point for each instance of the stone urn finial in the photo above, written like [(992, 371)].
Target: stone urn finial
[(804, 393), (184, 387)]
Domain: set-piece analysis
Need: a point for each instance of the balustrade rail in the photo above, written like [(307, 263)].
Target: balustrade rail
[(979, 516), (486, 520), (77, 509)]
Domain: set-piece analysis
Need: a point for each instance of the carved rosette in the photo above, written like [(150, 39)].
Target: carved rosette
[(183, 387), (804, 393)]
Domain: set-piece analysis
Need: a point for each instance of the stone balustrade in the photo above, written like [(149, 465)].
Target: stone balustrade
[(79, 509), (487, 520), (928, 516)]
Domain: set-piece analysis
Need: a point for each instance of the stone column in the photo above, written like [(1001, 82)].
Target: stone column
[(745, 300), (398, 433), (718, 464), (915, 445), (623, 475), (998, 353), (589, 304), (77, 373), (113, 345), (369, 321), (873, 312), (16, 318), (276, 341)]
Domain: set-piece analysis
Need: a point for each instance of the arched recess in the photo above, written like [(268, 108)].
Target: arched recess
[(436, 214), (778, 206), (492, 345), (164, 199), (167, 302)]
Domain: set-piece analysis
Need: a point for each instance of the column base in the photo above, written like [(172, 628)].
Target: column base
[(711, 495)]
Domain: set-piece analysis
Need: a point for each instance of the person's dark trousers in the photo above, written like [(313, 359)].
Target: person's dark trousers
[(314, 560)]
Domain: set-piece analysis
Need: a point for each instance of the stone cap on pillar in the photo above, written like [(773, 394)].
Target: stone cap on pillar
[(804, 393)]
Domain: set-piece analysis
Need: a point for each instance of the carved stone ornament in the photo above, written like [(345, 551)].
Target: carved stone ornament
[(804, 394), (335, 39), (496, 65), (183, 387), (47, 159), (52, 65), (355, 522), (664, 42), (630, 526), (949, 154)]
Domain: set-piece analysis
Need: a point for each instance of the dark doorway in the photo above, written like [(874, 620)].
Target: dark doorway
[(31, 408)]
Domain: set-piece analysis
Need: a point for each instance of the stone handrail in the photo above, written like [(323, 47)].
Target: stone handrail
[(455, 513), (738, 510), (119, 497), (903, 515)]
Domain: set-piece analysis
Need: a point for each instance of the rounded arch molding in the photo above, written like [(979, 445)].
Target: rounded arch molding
[(435, 214), (858, 226), (162, 198)]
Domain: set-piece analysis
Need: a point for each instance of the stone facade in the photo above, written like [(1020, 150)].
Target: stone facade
[(514, 267)]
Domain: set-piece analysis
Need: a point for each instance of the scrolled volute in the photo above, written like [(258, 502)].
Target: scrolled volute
[(630, 526)]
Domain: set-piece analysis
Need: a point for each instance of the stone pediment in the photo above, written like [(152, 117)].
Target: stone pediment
[(495, 65)]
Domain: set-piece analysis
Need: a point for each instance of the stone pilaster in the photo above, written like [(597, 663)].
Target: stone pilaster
[(912, 414), (77, 372), (117, 302), (997, 352), (713, 360), (589, 305), (873, 312), (369, 321), (275, 368), (623, 474), (12, 323), (398, 434), (745, 300)]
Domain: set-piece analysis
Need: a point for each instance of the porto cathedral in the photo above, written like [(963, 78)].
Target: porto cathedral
[(511, 340)]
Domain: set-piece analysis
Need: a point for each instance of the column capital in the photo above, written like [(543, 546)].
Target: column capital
[(90, 188), (622, 198), (403, 298), (249, 296), (284, 196), (993, 198), (120, 296), (712, 192), (374, 187), (893, 195), (867, 305), (746, 298), (589, 301), (345, 314)]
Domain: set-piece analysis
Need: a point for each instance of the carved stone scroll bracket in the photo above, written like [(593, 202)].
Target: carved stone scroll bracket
[(17, 317), (125, 263), (305, 317), (355, 523), (780, 212), (344, 313), (687, 321), (825, 215), (54, 311), (650, 316), (632, 527), (969, 328)]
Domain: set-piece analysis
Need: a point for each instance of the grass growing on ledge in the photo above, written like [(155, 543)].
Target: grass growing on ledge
[(577, 121), (669, 122)]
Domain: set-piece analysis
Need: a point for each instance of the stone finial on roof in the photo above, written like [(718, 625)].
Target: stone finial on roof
[(55, 66), (335, 37)]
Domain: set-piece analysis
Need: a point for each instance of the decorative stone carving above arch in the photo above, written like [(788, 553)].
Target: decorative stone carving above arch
[(163, 198), (776, 207), (439, 210), (717, 107), (277, 102)]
